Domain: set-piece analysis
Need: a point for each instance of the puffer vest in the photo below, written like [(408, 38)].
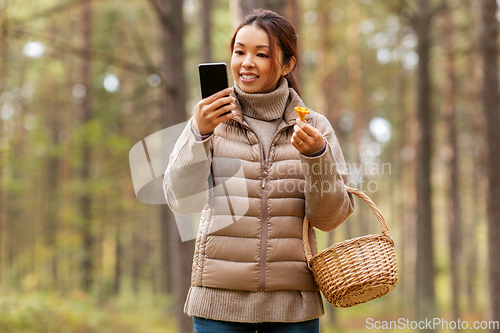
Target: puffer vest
[(259, 247)]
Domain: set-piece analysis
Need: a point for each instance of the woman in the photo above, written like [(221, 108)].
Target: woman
[(251, 274)]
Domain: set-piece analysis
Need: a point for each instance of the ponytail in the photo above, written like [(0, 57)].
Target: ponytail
[(292, 81)]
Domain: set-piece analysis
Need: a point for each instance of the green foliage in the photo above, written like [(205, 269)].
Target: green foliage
[(78, 313), (43, 313)]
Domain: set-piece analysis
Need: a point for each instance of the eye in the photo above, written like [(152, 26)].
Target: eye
[(238, 52), (263, 55)]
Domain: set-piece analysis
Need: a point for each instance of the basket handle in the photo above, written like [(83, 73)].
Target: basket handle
[(359, 193)]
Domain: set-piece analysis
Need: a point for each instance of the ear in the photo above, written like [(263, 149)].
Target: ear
[(289, 66)]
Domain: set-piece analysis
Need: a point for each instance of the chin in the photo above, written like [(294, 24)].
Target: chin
[(247, 89)]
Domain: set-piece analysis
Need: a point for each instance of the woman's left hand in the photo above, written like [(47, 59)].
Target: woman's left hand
[(306, 139)]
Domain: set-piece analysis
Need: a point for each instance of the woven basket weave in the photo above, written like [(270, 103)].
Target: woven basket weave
[(356, 270)]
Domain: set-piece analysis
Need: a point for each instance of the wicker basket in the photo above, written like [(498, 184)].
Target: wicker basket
[(356, 270)]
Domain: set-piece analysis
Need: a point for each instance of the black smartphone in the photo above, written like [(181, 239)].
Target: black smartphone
[(213, 78)]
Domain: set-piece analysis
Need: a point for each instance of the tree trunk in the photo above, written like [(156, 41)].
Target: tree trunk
[(52, 185), (403, 188), (476, 126), (356, 103), (170, 14), (206, 29), (136, 262), (325, 75), (488, 45), (241, 8), (325, 67), (22, 237), (181, 271), (355, 86), (118, 256), (454, 209), (4, 65), (87, 263), (425, 293), (166, 270), (471, 242), (293, 14)]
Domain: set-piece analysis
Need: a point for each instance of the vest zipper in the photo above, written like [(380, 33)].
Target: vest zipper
[(263, 244)]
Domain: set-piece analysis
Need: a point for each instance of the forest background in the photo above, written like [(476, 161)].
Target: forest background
[(410, 87)]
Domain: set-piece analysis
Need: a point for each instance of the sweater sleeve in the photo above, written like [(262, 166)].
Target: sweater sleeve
[(185, 182), (328, 203)]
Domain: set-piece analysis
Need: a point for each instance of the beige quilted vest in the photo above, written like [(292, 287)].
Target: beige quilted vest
[(262, 250)]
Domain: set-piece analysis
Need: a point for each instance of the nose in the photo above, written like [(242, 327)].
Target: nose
[(248, 62)]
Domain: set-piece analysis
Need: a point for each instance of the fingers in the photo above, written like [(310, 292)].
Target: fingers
[(222, 116), (217, 107), (225, 117), (228, 107), (306, 132), (307, 146), (299, 144), (308, 129), (210, 112), (298, 141), (301, 132), (216, 96), (226, 103), (299, 135), (306, 139)]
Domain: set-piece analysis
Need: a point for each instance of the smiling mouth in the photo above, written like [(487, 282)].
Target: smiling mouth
[(248, 77)]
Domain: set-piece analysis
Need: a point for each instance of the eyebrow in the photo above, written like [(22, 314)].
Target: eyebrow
[(258, 46)]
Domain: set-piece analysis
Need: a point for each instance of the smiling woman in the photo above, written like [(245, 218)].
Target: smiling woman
[(252, 274)]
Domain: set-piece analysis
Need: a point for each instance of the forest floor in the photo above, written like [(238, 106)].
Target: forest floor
[(77, 312)]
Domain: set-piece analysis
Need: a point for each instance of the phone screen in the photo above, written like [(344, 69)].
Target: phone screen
[(213, 78)]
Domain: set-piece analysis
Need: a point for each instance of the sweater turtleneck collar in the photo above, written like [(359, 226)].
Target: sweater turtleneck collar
[(266, 106)]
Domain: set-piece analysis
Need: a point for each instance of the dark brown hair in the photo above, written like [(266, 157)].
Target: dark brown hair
[(280, 33)]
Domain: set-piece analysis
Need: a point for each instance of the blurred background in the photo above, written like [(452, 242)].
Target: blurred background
[(410, 87)]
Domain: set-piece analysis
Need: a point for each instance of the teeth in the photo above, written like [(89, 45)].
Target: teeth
[(248, 77)]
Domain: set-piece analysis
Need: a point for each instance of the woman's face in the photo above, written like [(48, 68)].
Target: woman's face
[(251, 61)]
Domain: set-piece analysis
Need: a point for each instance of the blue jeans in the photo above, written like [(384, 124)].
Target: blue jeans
[(202, 325)]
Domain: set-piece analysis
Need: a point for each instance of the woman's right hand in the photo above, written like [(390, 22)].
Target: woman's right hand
[(207, 118)]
